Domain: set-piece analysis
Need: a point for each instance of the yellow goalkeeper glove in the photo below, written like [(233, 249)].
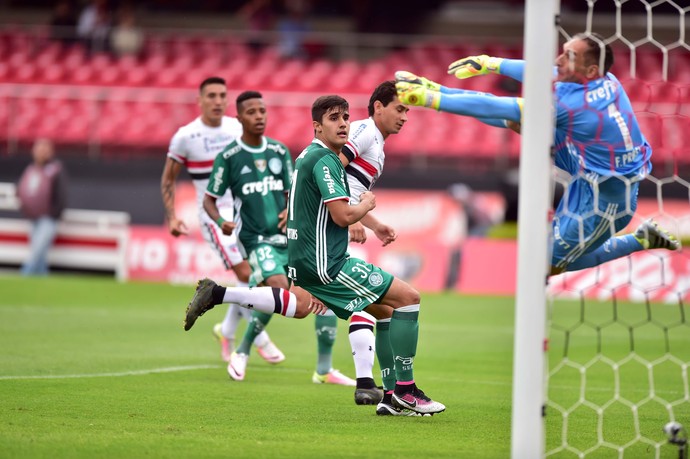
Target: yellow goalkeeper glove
[(414, 90), (409, 77), (475, 65)]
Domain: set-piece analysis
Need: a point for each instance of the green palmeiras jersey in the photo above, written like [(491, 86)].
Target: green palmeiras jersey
[(317, 246), (258, 178)]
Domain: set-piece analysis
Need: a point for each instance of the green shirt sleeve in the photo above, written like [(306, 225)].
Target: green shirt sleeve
[(219, 181), (329, 177)]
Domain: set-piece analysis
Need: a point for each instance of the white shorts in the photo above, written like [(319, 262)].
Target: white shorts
[(227, 248)]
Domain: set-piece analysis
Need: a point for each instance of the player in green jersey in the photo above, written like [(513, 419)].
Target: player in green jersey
[(257, 170), (318, 217)]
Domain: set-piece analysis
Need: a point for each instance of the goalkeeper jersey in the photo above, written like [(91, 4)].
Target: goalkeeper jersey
[(597, 131), (258, 178), (317, 246)]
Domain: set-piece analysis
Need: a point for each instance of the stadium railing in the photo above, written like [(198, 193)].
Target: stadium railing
[(87, 240)]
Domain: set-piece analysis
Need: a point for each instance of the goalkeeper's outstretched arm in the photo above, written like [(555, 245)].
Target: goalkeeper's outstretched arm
[(483, 108), (486, 107), (496, 122), (471, 66)]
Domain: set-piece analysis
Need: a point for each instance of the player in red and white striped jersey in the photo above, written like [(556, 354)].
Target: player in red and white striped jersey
[(194, 147), (363, 158)]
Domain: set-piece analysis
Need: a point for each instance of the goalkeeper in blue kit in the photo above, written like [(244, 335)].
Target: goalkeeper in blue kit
[(597, 141)]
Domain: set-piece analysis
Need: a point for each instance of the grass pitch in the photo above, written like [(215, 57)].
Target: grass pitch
[(94, 368)]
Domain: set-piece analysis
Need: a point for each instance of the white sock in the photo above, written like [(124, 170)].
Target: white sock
[(363, 343), (270, 300), (261, 339), (233, 316), (231, 320)]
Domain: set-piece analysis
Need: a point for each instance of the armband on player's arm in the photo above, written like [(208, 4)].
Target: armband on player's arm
[(471, 66), (346, 155)]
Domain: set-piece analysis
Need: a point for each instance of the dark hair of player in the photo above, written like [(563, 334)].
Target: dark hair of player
[(211, 80), (325, 104), (246, 95), (384, 93), (595, 43)]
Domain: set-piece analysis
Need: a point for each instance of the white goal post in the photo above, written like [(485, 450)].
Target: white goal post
[(527, 436), (617, 383)]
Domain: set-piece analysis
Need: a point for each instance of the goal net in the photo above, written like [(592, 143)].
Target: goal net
[(618, 347)]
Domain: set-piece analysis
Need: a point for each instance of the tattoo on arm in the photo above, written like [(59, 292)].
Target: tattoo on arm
[(168, 193)]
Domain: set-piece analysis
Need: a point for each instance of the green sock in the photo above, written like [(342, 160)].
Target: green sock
[(255, 326), (384, 353), (404, 332), (326, 328)]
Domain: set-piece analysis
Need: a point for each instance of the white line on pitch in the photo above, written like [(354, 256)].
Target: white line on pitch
[(110, 375)]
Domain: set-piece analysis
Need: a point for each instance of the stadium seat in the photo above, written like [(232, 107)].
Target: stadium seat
[(343, 78), (175, 64)]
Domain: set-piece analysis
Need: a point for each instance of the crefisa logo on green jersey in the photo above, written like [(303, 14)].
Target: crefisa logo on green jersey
[(330, 183), (263, 187)]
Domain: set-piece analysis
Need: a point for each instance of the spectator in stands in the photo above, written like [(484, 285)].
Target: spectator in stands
[(63, 24), (260, 16), (126, 38), (42, 194), (292, 28), (94, 25)]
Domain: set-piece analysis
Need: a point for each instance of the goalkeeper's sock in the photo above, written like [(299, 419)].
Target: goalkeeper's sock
[(615, 247), (271, 300), (256, 325)]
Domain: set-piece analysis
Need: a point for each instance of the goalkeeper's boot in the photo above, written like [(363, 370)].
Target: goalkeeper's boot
[(202, 301), (652, 236), (416, 94), (270, 353), (370, 396), (414, 399), (386, 407), (472, 66), (409, 77), (237, 366), (226, 344), (333, 377)]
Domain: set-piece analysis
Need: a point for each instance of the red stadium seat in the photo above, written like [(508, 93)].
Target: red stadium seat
[(343, 78)]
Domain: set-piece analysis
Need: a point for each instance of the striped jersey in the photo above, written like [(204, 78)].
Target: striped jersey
[(258, 178), (364, 149), (196, 145), (317, 246)]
